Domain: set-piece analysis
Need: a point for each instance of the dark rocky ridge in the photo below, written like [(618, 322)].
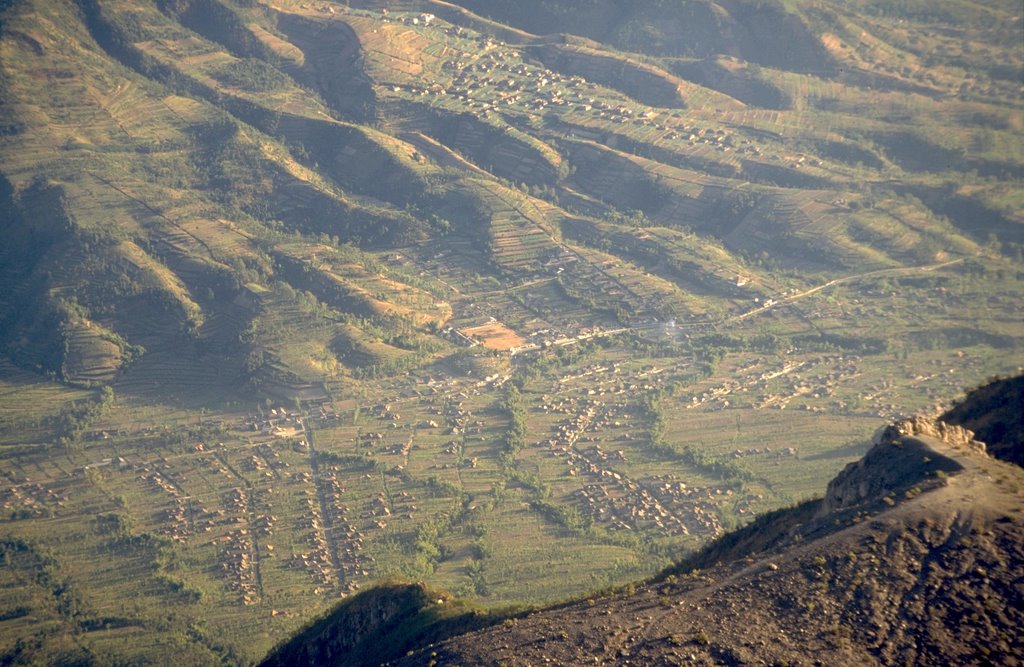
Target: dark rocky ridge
[(995, 412)]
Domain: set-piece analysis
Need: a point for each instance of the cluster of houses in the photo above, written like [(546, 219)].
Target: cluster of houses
[(594, 375), (179, 519), (754, 380), (278, 422), (943, 380), (317, 561), (176, 521), (820, 386), (607, 505), (568, 432), (423, 18), (500, 80), (783, 453), (455, 448), (94, 436), (30, 500), (717, 397), (257, 464), (378, 511), (328, 414), (459, 421), (939, 382), (340, 533), (267, 461), (383, 508), (611, 498), (238, 559), (335, 558), (672, 130), (238, 566), (698, 506)]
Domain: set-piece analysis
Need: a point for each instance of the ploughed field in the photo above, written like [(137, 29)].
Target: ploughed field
[(303, 296)]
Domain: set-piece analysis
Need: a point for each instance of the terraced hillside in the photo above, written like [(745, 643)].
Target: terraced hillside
[(303, 296)]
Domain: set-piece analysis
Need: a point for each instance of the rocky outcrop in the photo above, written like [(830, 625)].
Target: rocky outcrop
[(951, 434), (907, 453)]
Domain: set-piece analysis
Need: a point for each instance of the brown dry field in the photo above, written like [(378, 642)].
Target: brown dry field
[(494, 336)]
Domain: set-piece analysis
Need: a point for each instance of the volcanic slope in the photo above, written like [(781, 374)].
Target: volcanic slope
[(914, 556)]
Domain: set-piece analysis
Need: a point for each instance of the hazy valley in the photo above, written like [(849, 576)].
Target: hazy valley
[(521, 300)]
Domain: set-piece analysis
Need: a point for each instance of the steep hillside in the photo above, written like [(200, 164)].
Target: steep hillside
[(993, 411), (380, 625), (765, 32)]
